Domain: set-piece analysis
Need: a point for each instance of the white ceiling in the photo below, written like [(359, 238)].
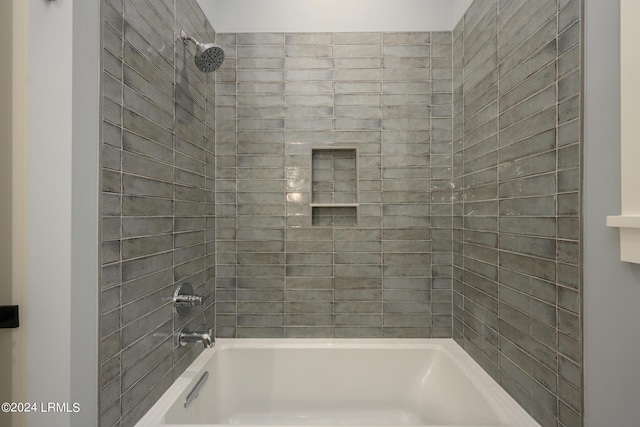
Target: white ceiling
[(253, 16)]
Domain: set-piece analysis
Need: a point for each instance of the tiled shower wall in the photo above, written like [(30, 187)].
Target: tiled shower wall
[(517, 254), (277, 97), (157, 204), (495, 215)]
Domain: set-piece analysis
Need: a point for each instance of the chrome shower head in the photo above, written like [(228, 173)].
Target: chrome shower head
[(209, 57)]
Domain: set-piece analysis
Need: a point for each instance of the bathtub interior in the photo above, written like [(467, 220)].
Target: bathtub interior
[(335, 386)]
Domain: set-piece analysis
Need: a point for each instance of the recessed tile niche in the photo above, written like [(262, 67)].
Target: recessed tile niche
[(334, 186)]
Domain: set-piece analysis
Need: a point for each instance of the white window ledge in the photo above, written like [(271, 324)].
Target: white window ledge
[(629, 226)]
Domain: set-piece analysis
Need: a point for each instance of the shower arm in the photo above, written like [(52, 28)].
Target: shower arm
[(186, 38)]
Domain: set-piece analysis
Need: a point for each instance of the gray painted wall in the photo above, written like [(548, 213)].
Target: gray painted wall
[(611, 287), (84, 201), (62, 201)]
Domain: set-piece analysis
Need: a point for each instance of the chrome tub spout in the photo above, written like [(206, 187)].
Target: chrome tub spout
[(186, 336)]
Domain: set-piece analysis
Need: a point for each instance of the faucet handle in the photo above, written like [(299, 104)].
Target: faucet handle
[(189, 299), (184, 299)]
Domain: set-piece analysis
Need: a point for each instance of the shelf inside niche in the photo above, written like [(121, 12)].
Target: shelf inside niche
[(334, 186)]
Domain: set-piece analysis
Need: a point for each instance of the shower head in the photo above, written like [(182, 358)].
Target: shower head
[(209, 57)]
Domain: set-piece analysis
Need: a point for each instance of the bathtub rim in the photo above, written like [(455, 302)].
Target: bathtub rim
[(505, 406)]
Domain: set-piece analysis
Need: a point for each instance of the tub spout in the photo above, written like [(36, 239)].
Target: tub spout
[(186, 336)]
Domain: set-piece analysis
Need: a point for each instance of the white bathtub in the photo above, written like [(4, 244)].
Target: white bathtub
[(337, 382)]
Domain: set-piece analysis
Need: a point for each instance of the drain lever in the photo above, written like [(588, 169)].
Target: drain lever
[(196, 389)]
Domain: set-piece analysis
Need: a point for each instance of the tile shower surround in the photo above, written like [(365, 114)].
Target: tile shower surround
[(278, 96), (469, 181), (157, 200), (516, 170)]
